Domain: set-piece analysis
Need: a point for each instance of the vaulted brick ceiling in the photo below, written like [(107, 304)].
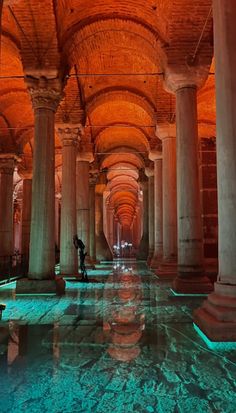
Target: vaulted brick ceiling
[(112, 54)]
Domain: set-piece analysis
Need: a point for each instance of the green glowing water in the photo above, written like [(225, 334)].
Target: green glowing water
[(120, 344)]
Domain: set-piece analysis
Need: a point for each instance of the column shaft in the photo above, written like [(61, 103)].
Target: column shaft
[(82, 171), (68, 254), (26, 216), (92, 221), (190, 232), (158, 214), (6, 208), (42, 238), (169, 201), (217, 316)]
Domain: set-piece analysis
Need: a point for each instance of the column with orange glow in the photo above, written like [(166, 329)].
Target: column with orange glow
[(26, 212), (156, 157), (7, 165), (69, 135), (84, 158), (167, 134), (150, 174), (217, 316), (45, 95)]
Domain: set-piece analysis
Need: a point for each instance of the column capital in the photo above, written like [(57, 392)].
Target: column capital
[(185, 77), (155, 155), (8, 162), (86, 154), (149, 171), (166, 131), (70, 134), (45, 93), (25, 173)]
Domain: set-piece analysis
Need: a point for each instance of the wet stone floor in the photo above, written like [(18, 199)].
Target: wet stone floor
[(121, 343)]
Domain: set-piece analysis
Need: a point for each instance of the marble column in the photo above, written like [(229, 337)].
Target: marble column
[(57, 218), (156, 157), (26, 214), (190, 278), (69, 135), (144, 243), (45, 95), (217, 316), (82, 194), (103, 251), (167, 134), (149, 171), (7, 165), (92, 244)]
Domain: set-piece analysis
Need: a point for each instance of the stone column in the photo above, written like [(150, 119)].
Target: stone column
[(156, 157), (103, 251), (191, 278), (69, 135), (217, 316), (57, 219), (150, 174), (7, 165), (167, 133), (26, 214), (144, 243), (82, 195), (92, 244), (45, 95)]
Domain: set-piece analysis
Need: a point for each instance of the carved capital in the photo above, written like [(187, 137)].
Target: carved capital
[(86, 153), (44, 93), (155, 155), (166, 131), (176, 78), (8, 163), (70, 134), (149, 171)]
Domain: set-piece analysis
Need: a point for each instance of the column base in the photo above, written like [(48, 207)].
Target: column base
[(150, 257), (155, 262), (192, 284), (29, 286), (217, 315), (167, 269)]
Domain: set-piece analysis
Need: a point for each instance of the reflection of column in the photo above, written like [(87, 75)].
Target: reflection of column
[(150, 174), (92, 183), (167, 134), (82, 194), (158, 209), (103, 251), (7, 164), (68, 256), (143, 247), (45, 97), (217, 316)]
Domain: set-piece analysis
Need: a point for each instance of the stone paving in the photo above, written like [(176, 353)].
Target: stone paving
[(121, 343)]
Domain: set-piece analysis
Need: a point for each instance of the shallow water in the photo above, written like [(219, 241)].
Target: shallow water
[(121, 343)]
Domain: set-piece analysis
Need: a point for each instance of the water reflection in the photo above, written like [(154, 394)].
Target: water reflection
[(124, 320)]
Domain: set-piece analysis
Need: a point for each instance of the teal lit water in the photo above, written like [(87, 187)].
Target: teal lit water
[(121, 343)]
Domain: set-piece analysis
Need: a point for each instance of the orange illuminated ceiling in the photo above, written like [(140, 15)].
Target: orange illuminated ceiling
[(112, 55)]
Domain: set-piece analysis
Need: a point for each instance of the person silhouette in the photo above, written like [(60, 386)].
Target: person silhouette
[(78, 243)]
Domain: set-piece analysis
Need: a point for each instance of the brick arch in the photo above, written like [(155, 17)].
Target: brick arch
[(124, 94)]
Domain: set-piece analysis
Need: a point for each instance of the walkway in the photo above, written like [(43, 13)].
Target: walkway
[(121, 343)]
